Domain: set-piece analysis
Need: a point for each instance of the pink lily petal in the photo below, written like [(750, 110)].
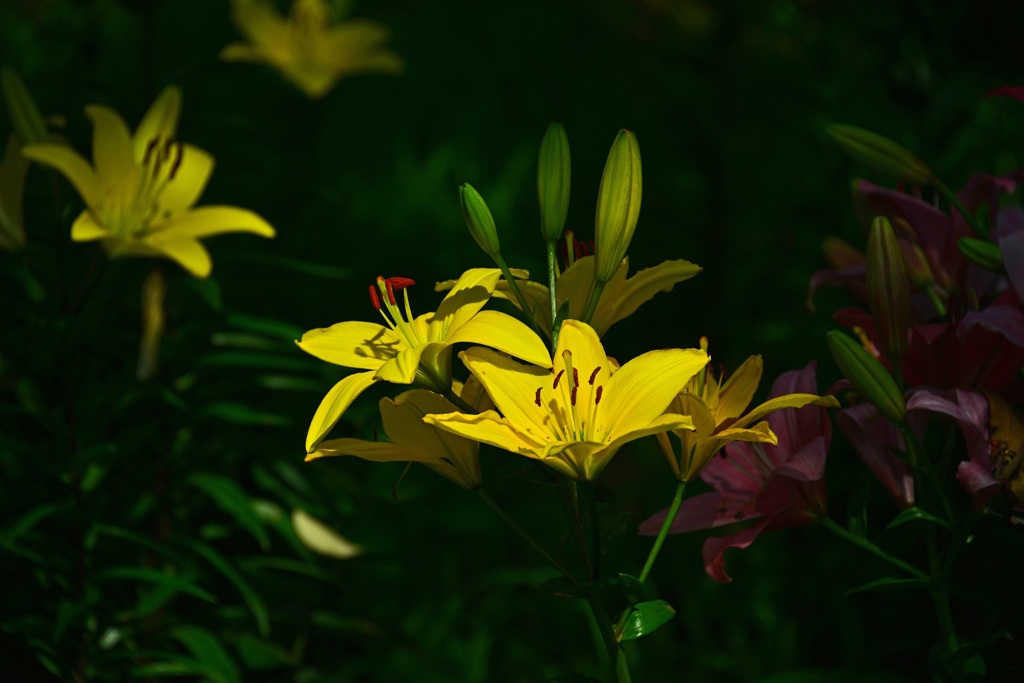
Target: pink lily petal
[(874, 438), (714, 550), (706, 511), (1014, 91)]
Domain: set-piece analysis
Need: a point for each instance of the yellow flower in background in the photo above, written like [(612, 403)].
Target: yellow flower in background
[(140, 191), (717, 411), (575, 416), (12, 183), (306, 48), (409, 350), (412, 440)]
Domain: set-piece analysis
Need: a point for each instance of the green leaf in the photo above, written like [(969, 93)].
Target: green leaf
[(252, 599), (258, 360), (289, 383), (914, 514), (260, 655), (646, 618), (24, 524), (205, 647), (237, 413), (631, 587), (181, 583), (969, 650), (887, 584), (266, 326), (304, 267), (857, 512), (230, 497)]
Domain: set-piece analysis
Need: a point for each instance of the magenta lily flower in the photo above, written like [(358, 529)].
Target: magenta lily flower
[(776, 486)]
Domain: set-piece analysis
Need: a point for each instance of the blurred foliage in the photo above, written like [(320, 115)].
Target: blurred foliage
[(145, 526)]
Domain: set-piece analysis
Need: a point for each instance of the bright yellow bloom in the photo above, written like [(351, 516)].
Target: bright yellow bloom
[(575, 416), (414, 350), (411, 440), (717, 412), (12, 182), (621, 298), (305, 48), (139, 196)]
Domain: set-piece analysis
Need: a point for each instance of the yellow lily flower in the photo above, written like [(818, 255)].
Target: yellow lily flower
[(139, 196), (414, 350), (621, 298), (411, 440), (717, 411), (12, 182), (305, 48), (575, 416)]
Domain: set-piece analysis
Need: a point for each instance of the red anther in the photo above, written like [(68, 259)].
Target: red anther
[(572, 395), (391, 291), (557, 377), (536, 399), (575, 380), (373, 297), (597, 395), (398, 283), (593, 375)]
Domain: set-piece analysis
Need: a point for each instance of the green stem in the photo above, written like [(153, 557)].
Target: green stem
[(514, 286), (864, 543), (673, 510), (526, 536), (955, 201), (595, 529), (570, 506), (595, 297), (458, 402), (616, 656), (924, 466), (552, 294), (940, 596)]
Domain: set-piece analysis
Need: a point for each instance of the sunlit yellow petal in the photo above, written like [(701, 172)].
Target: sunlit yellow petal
[(735, 394), (190, 254), (71, 165), (487, 427), (706, 448), (353, 344), (111, 148), (215, 220), (622, 297), (513, 388), (402, 368), (334, 404), (662, 423), (468, 296), (446, 453), (787, 401), (161, 121), (644, 387), (503, 332), (86, 229), (188, 183), (376, 451)]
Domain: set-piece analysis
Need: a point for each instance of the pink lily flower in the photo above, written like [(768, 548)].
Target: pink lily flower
[(776, 486)]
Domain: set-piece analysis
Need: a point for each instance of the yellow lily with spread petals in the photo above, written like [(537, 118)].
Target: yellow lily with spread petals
[(411, 440), (717, 411), (140, 192), (622, 295), (306, 48), (12, 182), (576, 416), (411, 350)]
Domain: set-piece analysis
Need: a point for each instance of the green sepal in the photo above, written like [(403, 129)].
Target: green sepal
[(982, 252)]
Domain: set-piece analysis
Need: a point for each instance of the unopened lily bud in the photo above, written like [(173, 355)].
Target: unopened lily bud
[(618, 205), (918, 271), (888, 289), (868, 376), (982, 252), (25, 117), (553, 173), (478, 219), (881, 154)]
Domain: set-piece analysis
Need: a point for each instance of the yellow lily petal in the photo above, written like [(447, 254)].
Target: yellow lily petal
[(261, 25), (160, 121), (487, 427), (706, 448), (188, 184), (735, 394), (644, 387), (12, 185), (703, 420), (468, 296), (663, 423), (375, 451), (112, 150), (787, 401), (512, 386), (451, 456), (503, 332), (353, 344), (622, 296), (215, 220), (240, 52), (71, 165), (86, 229), (190, 254), (357, 46), (334, 404), (402, 368)]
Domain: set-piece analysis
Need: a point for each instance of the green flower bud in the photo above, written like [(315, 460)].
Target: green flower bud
[(888, 289), (881, 154), (25, 117), (982, 252), (618, 205), (478, 219), (553, 172), (868, 376)]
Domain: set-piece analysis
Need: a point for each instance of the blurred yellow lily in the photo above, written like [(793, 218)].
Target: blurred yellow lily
[(305, 48), (576, 416), (417, 350), (411, 440), (717, 412), (621, 298), (12, 182), (140, 193)]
